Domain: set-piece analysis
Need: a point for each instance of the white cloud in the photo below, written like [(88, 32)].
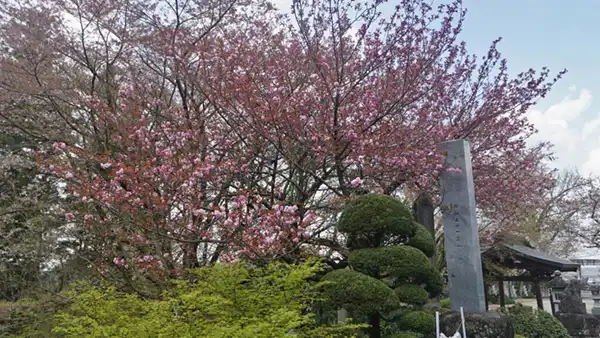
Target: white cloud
[(592, 164), (555, 124), (575, 136), (282, 5), (590, 127)]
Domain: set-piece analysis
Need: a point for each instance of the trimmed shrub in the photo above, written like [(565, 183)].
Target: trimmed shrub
[(370, 219), (412, 294), (406, 264), (358, 293), (391, 272), (423, 240), (418, 321), (401, 260), (536, 324)]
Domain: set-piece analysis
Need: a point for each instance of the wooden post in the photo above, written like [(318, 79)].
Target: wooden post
[(551, 302), (423, 212), (375, 329), (486, 287), (538, 294), (501, 293)]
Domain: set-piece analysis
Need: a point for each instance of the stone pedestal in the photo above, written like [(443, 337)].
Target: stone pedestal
[(478, 325), (342, 315), (596, 306), (580, 325), (571, 301)]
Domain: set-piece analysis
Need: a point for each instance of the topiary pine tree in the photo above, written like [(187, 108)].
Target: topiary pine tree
[(388, 262)]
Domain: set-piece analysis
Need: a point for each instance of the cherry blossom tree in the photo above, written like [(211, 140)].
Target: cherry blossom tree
[(204, 130), (556, 225), (372, 107)]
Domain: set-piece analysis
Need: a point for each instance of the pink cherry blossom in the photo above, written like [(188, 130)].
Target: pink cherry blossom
[(356, 182)]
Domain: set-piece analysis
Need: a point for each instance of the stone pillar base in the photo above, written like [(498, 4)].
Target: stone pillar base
[(580, 325), (596, 307), (478, 325)]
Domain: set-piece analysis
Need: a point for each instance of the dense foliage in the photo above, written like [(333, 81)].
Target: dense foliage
[(419, 321), (235, 300), (26, 220), (197, 133), (385, 272), (536, 324), (404, 335)]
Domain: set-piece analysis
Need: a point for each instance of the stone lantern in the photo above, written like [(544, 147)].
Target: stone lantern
[(595, 289), (557, 288)]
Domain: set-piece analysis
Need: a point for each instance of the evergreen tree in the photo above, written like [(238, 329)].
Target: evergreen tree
[(389, 270)]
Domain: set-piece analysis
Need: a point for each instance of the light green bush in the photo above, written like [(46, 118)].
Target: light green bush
[(225, 301)]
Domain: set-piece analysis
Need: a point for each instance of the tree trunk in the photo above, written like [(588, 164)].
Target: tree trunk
[(538, 294), (375, 329), (501, 293), (190, 256)]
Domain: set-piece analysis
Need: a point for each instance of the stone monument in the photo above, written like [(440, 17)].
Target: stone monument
[(461, 235), (463, 254), (571, 301)]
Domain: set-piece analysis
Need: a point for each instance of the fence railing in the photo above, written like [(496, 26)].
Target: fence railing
[(457, 334)]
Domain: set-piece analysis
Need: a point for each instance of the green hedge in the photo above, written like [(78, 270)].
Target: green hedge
[(495, 299), (423, 240), (370, 219), (536, 324), (412, 294), (405, 263), (358, 293), (404, 335), (419, 321)]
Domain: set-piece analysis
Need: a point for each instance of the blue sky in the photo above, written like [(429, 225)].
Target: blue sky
[(557, 34)]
